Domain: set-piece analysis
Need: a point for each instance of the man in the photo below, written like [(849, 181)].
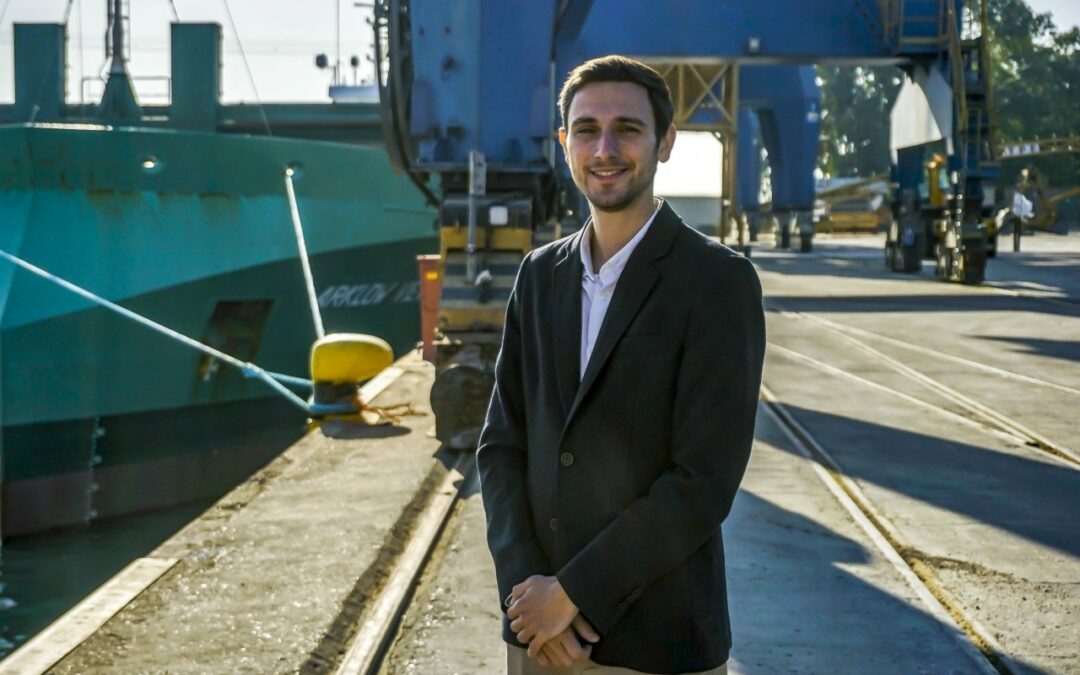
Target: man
[(623, 411)]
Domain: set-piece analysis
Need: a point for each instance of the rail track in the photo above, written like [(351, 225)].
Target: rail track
[(379, 625), (972, 410), (965, 410), (371, 646), (980, 644)]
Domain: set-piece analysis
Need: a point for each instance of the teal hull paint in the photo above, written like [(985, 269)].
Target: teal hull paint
[(144, 461), (95, 362), (209, 225), (133, 234)]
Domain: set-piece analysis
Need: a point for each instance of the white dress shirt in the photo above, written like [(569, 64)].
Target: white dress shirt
[(597, 288)]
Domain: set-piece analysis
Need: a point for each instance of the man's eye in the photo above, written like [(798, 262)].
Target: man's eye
[(585, 131), (629, 130)]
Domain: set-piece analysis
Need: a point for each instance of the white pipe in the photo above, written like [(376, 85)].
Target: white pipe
[(316, 317)]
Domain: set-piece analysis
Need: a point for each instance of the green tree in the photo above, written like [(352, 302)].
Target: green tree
[(855, 103), (1036, 85), (1036, 89)]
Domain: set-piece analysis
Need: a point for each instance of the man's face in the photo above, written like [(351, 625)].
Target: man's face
[(610, 144)]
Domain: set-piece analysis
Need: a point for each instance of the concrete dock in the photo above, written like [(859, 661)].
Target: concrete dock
[(274, 577), (987, 519), (279, 576)]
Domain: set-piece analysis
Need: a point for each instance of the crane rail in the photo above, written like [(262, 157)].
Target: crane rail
[(986, 652), (975, 411)]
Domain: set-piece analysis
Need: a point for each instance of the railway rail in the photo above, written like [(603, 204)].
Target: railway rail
[(374, 638), (986, 652), (892, 374), (372, 646), (972, 409), (374, 643)]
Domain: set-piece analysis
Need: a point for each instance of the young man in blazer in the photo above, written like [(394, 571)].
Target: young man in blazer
[(623, 411)]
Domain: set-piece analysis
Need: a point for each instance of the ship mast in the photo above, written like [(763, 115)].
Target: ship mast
[(118, 101), (114, 39)]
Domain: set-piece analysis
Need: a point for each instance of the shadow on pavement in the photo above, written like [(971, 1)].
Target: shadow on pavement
[(1040, 258), (1047, 271), (796, 606), (837, 265), (1067, 350), (921, 303), (449, 457), (343, 430), (1032, 499)]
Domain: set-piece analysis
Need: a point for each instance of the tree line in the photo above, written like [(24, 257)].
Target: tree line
[(1035, 70)]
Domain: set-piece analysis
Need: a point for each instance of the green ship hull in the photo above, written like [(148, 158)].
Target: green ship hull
[(102, 416)]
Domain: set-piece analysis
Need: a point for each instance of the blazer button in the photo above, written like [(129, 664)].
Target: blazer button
[(566, 459), (554, 524)]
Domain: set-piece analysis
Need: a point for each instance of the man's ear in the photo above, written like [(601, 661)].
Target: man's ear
[(667, 142), (562, 140)]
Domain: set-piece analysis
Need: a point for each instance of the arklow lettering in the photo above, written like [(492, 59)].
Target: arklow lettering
[(366, 295)]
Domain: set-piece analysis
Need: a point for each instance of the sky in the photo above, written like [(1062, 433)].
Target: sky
[(282, 57)]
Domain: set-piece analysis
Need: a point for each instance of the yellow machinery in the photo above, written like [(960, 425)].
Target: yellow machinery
[(1047, 216), (940, 192), (922, 229), (1046, 213), (949, 220), (1038, 147), (937, 182), (855, 206), (482, 240), (866, 214)]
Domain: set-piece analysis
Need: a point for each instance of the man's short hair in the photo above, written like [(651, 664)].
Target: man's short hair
[(615, 68)]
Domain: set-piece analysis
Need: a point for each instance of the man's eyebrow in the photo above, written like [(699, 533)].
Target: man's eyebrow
[(622, 120)]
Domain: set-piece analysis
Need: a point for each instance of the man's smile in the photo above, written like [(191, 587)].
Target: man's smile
[(607, 172)]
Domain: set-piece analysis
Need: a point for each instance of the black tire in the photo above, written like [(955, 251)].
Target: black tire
[(941, 270), (910, 259), (929, 246), (973, 267)]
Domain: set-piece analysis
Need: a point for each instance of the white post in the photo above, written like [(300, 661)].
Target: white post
[(309, 282)]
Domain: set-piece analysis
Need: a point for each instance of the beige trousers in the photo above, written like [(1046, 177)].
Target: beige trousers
[(519, 663)]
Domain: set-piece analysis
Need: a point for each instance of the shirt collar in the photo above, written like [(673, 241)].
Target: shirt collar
[(618, 261)]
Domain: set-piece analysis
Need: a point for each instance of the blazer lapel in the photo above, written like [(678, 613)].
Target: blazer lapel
[(635, 284), (567, 324)]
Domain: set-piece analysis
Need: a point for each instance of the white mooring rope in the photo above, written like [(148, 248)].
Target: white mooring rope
[(298, 228), (275, 380)]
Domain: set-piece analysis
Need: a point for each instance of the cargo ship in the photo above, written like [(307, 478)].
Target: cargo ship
[(178, 212)]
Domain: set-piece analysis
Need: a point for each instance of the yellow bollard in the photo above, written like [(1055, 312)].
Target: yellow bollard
[(340, 362)]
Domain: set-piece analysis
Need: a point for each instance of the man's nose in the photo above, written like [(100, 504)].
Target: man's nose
[(607, 145)]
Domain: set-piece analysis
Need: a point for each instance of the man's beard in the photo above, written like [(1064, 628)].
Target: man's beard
[(616, 202)]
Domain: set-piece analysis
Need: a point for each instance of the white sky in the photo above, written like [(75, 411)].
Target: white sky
[(280, 39)]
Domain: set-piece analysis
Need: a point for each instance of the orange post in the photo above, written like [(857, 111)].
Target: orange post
[(430, 290)]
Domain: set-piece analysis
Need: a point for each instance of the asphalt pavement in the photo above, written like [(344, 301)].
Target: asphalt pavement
[(990, 517)]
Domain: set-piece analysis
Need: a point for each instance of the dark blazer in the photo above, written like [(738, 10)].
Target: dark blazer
[(618, 485)]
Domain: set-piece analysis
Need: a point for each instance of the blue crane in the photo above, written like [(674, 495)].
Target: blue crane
[(468, 91), (783, 105)]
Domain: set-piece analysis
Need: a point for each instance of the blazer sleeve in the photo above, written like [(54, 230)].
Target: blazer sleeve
[(712, 432), (501, 461)]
